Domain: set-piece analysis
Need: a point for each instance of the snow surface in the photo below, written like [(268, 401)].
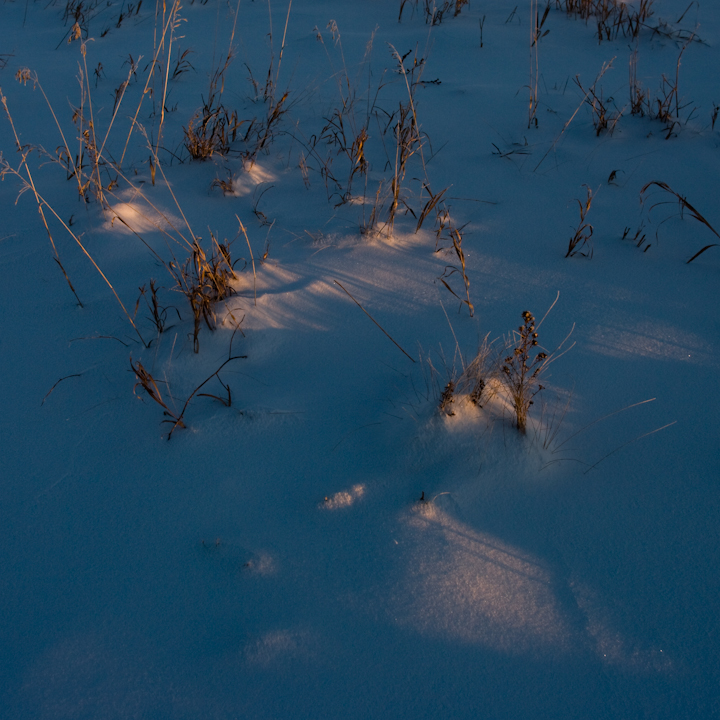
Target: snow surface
[(274, 559)]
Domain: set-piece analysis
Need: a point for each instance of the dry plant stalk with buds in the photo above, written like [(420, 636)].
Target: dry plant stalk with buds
[(521, 371)]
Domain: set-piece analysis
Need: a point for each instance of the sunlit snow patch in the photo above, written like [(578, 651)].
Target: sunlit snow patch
[(285, 300), (137, 216), (467, 586), (342, 499), (246, 182), (651, 339)]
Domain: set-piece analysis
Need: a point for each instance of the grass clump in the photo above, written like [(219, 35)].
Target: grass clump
[(613, 17), (433, 11), (205, 279)]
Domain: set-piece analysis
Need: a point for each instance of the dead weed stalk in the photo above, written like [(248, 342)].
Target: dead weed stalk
[(602, 116), (524, 365), (455, 235), (581, 242)]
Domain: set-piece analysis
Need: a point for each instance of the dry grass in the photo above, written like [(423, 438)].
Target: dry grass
[(227, 185), (478, 376), (613, 17), (205, 279), (263, 132), (430, 205), (214, 127), (474, 381), (158, 313), (349, 142), (581, 242), (455, 235), (211, 130), (536, 32), (433, 11), (603, 117), (176, 419)]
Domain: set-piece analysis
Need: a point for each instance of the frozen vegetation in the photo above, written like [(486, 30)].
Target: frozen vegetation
[(360, 359)]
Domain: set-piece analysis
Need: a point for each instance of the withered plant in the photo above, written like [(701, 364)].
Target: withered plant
[(434, 11), (639, 101), (149, 384), (158, 313), (430, 205), (93, 172), (522, 369), (227, 185), (454, 234), (407, 143), (447, 398), (536, 32), (581, 242), (603, 117), (369, 223), (346, 132), (475, 381), (260, 134), (613, 17), (350, 143), (213, 128), (408, 137), (205, 279)]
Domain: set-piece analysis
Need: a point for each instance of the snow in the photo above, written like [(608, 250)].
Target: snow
[(332, 544)]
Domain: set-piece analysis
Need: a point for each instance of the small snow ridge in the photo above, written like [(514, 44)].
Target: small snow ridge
[(344, 498)]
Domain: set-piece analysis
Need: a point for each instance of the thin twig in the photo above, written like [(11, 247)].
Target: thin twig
[(56, 384), (629, 442), (373, 319), (252, 259), (604, 417)]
